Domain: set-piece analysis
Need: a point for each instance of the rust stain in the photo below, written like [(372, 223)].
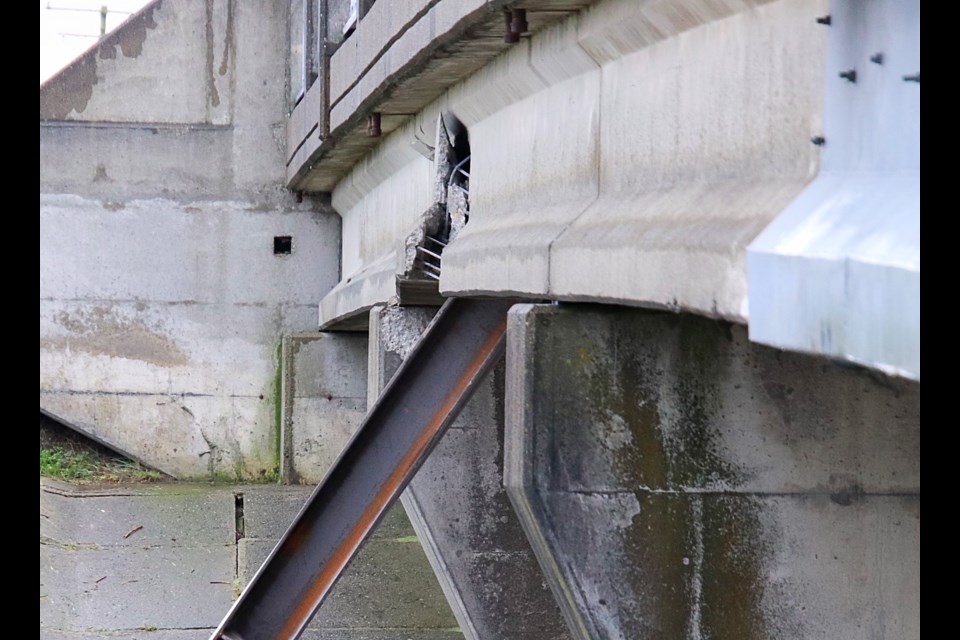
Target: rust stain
[(227, 41), (214, 96), (70, 90)]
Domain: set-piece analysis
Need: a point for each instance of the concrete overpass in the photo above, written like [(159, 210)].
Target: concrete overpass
[(715, 431)]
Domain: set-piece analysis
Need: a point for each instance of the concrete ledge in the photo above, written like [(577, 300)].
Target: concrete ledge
[(353, 297)]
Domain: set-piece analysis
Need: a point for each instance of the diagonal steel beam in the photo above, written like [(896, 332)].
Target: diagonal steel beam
[(465, 340)]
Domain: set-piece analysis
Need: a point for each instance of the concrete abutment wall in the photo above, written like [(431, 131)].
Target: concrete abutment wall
[(678, 481), (162, 301)]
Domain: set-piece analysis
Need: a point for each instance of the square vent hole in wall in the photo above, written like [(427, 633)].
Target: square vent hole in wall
[(282, 245)]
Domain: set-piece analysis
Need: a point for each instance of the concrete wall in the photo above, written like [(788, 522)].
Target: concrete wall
[(162, 303), (679, 481), (458, 506), (324, 392)]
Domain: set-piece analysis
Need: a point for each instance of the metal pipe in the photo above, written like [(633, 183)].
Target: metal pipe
[(457, 168), (429, 253)]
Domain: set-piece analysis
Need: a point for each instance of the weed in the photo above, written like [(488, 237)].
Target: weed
[(81, 465)]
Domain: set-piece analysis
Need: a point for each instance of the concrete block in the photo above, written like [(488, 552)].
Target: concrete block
[(690, 180), (324, 400), (328, 364), (184, 436), (157, 347), (135, 581), (109, 162), (676, 480), (527, 184), (319, 429), (201, 252), (166, 519), (385, 214)]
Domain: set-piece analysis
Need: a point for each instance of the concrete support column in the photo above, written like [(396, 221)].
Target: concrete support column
[(323, 401), (679, 481), (459, 508)]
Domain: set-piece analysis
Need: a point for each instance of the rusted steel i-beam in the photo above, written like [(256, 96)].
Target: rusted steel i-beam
[(425, 395)]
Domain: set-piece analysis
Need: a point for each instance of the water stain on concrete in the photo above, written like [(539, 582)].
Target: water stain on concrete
[(70, 90), (214, 95), (102, 331)]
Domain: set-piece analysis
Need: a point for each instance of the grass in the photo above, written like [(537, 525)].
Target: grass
[(70, 464), (66, 455)]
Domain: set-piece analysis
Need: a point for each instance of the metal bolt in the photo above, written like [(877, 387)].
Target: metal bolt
[(827, 20), (850, 75), (818, 140), (510, 36), (373, 125), (519, 23), (914, 78)]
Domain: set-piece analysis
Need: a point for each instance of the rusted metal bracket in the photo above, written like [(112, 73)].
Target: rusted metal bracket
[(463, 342)]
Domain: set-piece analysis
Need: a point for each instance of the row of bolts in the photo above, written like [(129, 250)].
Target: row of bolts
[(850, 75)]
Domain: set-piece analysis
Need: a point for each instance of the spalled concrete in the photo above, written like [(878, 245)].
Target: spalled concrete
[(458, 507), (678, 481)]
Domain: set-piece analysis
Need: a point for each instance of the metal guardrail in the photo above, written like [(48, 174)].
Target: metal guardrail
[(415, 409)]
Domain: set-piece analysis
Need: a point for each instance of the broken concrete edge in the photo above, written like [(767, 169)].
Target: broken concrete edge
[(90, 435), (517, 454)]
